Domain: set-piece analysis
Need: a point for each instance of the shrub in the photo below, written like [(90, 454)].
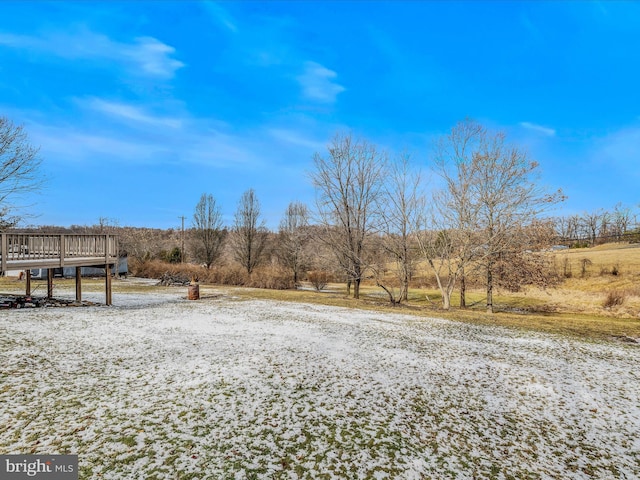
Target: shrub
[(566, 268), (266, 277), (172, 256), (319, 279), (614, 298), (584, 263), (580, 244), (614, 270), (271, 277)]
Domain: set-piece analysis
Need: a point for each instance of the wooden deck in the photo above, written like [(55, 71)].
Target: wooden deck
[(20, 251)]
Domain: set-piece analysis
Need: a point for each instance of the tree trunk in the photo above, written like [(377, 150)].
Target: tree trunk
[(356, 288), (446, 302), (490, 288), (463, 291), (404, 293), (348, 286)]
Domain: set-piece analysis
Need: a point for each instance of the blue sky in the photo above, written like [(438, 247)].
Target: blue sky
[(140, 107)]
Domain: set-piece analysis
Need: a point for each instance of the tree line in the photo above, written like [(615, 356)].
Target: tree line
[(375, 218), (478, 214)]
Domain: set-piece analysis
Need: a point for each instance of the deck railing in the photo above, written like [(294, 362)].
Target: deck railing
[(23, 247)]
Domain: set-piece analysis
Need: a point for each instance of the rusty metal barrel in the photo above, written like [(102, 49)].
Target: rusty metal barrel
[(194, 292)]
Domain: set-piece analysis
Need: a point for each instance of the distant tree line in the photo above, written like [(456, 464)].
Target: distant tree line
[(599, 226), (482, 220)]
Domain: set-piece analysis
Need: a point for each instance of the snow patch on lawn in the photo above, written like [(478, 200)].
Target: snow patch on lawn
[(159, 387)]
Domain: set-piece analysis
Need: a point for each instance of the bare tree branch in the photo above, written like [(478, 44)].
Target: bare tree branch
[(19, 168)]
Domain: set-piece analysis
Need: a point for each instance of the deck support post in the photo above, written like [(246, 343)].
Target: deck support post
[(107, 283), (78, 284), (49, 282), (27, 275)]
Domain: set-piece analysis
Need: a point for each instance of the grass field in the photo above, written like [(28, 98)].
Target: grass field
[(231, 387), (575, 307)]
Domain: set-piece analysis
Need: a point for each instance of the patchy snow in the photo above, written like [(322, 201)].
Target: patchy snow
[(159, 387)]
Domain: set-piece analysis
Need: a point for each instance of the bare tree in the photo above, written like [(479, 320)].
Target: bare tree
[(527, 263), (348, 182), (449, 238), (574, 223), (562, 227), (621, 219), (143, 244), (592, 223), (208, 231), (292, 238), (249, 232), (508, 197), (19, 165), (400, 209)]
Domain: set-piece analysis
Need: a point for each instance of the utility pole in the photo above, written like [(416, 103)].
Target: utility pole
[(182, 247)]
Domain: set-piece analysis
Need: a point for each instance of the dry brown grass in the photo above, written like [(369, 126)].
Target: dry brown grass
[(594, 305), (573, 324)]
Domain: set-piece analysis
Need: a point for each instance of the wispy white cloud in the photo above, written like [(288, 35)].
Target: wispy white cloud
[(318, 84), (220, 15), (550, 132), (153, 56), (531, 27), (144, 56), (65, 145), (131, 113), (620, 149), (201, 144), (296, 138)]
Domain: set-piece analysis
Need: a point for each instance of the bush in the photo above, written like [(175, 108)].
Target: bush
[(584, 263), (580, 244), (319, 279), (272, 277), (266, 277), (614, 270), (614, 298), (172, 256)]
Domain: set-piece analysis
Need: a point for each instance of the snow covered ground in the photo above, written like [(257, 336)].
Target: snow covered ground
[(159, 387)]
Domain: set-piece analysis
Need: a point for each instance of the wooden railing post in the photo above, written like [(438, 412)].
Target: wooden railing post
[(4, 251), (62, 250)]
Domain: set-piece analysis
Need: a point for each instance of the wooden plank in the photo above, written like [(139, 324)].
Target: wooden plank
[(28, 281)]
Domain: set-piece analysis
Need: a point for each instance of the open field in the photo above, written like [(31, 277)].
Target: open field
[(159, 387)]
